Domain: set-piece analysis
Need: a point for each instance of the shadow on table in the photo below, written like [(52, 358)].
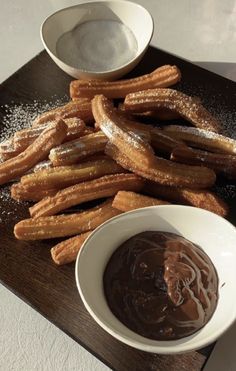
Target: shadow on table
[(225, 69), (154, 58), (223, 356)]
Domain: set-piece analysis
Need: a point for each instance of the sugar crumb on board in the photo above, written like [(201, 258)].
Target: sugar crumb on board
[(227, 191), (217, 104), (8, 206), (20, 116), (17, 117)]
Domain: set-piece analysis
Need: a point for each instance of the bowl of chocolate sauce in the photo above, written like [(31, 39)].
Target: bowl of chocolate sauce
[(161, 285), (98, 40), (161, 278)]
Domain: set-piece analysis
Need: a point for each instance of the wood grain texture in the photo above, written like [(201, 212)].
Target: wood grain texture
[(26, 267)]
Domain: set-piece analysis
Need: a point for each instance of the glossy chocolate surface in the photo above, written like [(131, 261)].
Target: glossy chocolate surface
[(161, 285)]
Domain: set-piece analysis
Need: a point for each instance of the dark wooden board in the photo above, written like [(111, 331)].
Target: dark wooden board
[(26, 267)]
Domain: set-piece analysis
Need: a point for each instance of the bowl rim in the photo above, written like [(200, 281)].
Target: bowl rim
[(182, 348), (98, 73)]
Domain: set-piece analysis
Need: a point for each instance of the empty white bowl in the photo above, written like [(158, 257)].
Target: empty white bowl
[(58, 28), (215, 235)]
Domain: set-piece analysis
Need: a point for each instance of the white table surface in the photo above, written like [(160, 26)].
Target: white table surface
[(202, 31)]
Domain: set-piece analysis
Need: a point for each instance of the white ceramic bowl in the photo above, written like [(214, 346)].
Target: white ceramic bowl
[(132, 15), (214, 234)]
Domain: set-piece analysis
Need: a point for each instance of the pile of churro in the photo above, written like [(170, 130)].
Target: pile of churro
[(98, 146)]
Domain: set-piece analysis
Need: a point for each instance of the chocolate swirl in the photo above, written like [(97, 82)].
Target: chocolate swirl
[(161, 285)]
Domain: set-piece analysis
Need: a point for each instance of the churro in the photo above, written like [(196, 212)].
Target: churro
[(162, 142), (161, 77), (64, 225), (126, 201), (23, 138), (37, 151), (166, 172), (129, 143), (219, 162), (8, 150), (105, 186), (79, 108), (204, 139), (64, 176), (75, 128), (161, 114), (66, 251), (71, 152), (89, 130), (187, 107), (6, 145), (42, 165), (202, 199), (132, 125), (21, 193)]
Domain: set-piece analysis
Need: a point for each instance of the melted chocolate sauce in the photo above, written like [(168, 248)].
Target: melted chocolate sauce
[(161, 285)]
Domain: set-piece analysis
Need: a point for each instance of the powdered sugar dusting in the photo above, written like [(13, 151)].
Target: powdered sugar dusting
[(20, 116), (30, 133), (227, 192), (216, 103), (200, 132), (186, 106), (8, 206), (47, 164), (17, 117), (67, 148)]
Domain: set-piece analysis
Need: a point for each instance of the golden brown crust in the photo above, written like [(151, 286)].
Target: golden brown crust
[(160, 140), (219, 162), (105, 186), (161, 114), (71, 152), (8, 150), (161, 77), (131, 124), (112, 125), (66, 251), (64, 176), (187, 107), (64, 225), (89, 130), (127, 201), (203, 199), (75, 128), (37, 151), (166, 172), (42, 165), (21, 193), (204, 139), (164, 143), (79, 108), (23, 138)]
